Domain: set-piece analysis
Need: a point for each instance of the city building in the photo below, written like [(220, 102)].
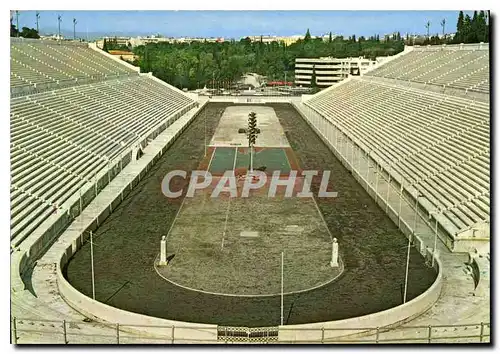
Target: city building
[(119, 41), (287, 40), (123, 54), (329, 70)]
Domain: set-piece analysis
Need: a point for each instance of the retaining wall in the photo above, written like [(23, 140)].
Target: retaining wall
[(388, 318)]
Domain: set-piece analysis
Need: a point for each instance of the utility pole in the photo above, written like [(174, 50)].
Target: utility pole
[(37, 18), (74, 28), (59, 27), (17, 22)]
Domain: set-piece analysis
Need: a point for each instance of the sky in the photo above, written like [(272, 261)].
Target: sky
[(237, 24)]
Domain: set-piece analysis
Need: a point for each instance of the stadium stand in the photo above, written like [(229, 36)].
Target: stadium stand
[(49, 62), (61, 139), (438, 144), (461, 67)]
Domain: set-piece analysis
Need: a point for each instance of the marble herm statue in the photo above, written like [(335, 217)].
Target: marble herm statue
[(163, 250), (334, 263)]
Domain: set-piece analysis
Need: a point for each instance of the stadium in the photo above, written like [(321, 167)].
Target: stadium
[(407, 147)]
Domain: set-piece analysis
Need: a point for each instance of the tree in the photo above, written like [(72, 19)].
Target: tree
[(474, 27), (29, 33), (466, 33), (483, 30), (192, 65), (307, 37), (13, 29), (460, 27), (252, 136), (330, 38), (105, 45)]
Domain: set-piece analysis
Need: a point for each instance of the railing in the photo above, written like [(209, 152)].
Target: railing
[(29, 331)]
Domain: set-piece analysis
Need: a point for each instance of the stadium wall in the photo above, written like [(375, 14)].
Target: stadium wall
[(359, 325), (101, 312)]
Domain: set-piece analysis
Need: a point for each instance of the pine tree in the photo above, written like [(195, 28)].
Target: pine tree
[(330, 38), (467, 29), (105, 45), (474, 29), (459, 36), (482, 27), (307, 37)]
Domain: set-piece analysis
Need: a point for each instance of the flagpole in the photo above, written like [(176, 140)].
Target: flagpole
[(407, 266), (282, 288), (435, 241), (92, 265), (205, 124)]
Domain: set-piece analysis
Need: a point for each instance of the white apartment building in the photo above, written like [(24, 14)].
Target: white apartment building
[(329, 70)]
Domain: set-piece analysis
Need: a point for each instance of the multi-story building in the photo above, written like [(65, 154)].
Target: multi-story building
[(329, 70), (119, 40), (287, 40)]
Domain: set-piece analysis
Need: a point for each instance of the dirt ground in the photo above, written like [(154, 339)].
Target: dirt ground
[(373, 249)]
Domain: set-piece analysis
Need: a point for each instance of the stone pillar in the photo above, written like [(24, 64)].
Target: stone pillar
[(334, 263), (163, 251)]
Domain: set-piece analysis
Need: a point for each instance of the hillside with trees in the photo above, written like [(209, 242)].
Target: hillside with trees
[(194, 65), (198, 64)]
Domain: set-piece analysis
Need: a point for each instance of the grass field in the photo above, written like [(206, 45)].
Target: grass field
[(228, 158), (213, 253), (373, 249)]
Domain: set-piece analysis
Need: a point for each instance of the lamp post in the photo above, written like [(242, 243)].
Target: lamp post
[(59, 19), (74, 28), (17, 22), (37, 18)]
